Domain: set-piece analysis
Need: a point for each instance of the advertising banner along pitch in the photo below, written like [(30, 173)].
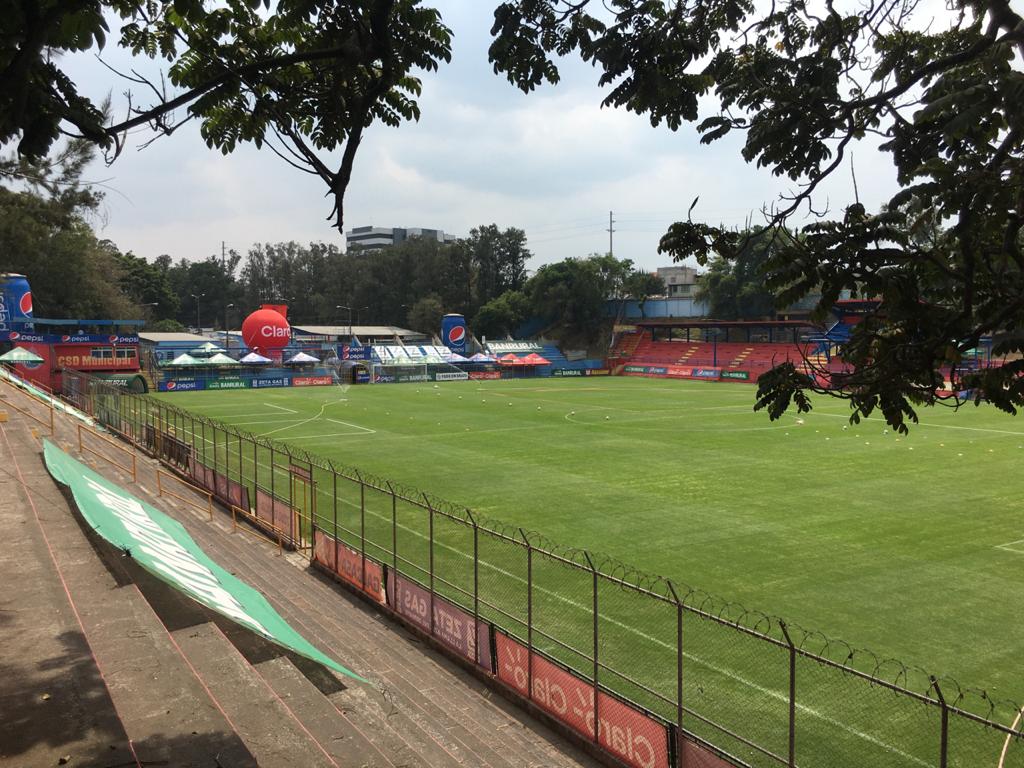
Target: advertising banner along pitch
[(632, 736), (163, 547)]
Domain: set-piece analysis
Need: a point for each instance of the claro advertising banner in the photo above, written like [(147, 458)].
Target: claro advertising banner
[(629, 734), (163, 547)]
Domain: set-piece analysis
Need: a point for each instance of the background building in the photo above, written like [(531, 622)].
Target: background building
[(381, 237), (679, 280)]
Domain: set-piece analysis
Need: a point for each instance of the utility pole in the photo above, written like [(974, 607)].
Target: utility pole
[(611, 233), (223, 271)]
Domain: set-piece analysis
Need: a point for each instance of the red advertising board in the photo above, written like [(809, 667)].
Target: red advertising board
[(692, 755), (672, 372), (452, 625), (480, 375), (627, 733), (274, 511), (348, 564), (311, 381), (220, 488)]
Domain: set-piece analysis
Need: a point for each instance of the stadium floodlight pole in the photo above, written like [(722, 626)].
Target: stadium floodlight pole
[(342, 306), (227, 339), (199, 327)]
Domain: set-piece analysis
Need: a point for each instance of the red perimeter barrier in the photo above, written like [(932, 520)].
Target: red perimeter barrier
[(452, 625), (220, 487), (348, 564), (630, 735), (692, 755), (276, 512)]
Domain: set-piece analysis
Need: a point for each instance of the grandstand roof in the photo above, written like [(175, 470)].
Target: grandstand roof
[(357, 330), (692, 323), (157, 337)]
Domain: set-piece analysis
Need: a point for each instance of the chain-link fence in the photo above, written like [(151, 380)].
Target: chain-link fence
[(656, 673)]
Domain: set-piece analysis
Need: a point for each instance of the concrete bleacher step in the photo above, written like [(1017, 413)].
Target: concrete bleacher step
[(408, 741), (50, 675), (342, 739), (163, 706), (421, 721), (481, 732), (429, 717), (273, 734)]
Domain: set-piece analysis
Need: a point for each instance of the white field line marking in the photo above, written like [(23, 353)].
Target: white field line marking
[(1010, 546), (639, 633), (925, 424), (674, 430), (286, 410), (355, 426), (277, 420), (221, 407), (314, 438)]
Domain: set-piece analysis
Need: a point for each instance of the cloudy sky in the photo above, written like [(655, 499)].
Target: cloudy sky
[(553, 163)]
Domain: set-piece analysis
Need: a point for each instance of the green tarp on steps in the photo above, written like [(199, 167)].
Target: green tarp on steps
[(163, 547)]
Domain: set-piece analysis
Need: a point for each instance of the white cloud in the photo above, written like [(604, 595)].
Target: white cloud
[(552, 162)]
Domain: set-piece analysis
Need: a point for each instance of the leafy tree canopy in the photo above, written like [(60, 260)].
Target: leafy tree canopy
[(803, 81), (734, 288), (640, 286), (426, 314), (302, 78), (501, 317)]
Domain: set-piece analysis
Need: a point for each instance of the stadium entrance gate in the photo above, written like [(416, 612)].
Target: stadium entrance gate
[(303, 495)]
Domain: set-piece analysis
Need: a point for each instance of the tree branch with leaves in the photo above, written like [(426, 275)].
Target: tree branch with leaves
[(304, 79), (804, 81)]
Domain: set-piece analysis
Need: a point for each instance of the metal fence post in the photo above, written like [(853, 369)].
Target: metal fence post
[(792, 695), (529, 615), (944, 732), (476, 581), (679, 654), (334, 531), (255, 468), (273, 472), (362, 529), (430, 514), (597, 689), (394, 529)]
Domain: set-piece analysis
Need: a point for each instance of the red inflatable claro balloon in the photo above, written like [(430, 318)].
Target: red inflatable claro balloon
[(266, 330)]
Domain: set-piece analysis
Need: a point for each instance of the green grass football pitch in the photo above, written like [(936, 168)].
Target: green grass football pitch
[(910, 546)]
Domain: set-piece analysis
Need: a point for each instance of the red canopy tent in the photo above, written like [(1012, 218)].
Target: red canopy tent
[(534, 359), (508, 359)]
